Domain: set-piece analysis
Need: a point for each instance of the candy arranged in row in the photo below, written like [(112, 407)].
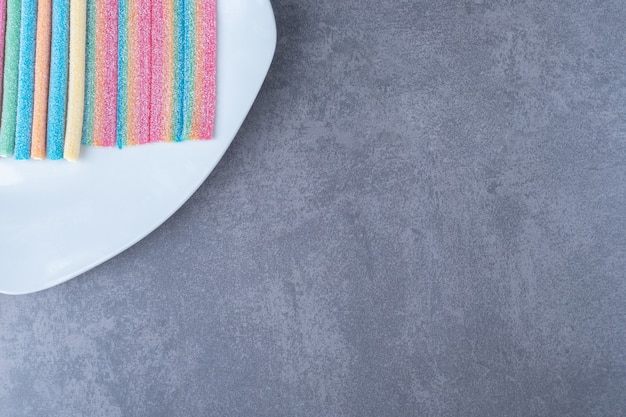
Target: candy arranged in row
[(104, 73)]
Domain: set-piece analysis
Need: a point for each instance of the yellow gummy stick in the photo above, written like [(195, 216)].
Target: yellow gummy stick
[(76, 83)]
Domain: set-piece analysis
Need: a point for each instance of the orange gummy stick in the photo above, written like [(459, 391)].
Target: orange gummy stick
[(42, 73)]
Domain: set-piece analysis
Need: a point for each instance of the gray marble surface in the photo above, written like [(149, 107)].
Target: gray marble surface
[(423, 215)]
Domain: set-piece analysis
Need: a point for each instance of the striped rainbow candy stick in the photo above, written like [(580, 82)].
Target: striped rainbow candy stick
[(139, 39), (101, 80), (204, 103), (158, 43), (42, 74), (163, 74), (106, 74)]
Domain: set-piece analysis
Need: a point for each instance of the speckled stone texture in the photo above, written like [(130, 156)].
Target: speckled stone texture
[(423, 215)]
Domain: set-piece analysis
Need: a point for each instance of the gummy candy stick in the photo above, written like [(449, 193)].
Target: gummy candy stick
[(157, 68), (90, 73), (11, 63), (204, 104), (106, 73), (178, 89), (139, 72), (3, 21), (76, 83), (58, 79), (42, 72), (189, 44), (26, 80), (169, 53), (122, 74), (161, 75)]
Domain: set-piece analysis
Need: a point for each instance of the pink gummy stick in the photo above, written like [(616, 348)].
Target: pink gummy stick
[(139, 72), (105, 111), (161, 66), (204, 83)]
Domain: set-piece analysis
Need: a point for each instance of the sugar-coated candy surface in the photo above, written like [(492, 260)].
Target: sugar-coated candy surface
[(3, 22), (90, 74), (204, 104), (161, 54), (11, 64), (76, 80), (58, 78), (139, 72), (26, 80), (42, 74), (122, 74), (104, 73), (180, 39), (105, 108)]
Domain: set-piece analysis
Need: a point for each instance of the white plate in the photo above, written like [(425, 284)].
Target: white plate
[(59, 219)]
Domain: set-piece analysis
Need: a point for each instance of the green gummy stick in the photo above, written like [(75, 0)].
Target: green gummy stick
[(11, 64), (90, 74)]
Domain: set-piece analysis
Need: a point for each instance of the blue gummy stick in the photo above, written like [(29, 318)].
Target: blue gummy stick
[(57, 97), (180, 40), (189, 70), (122, 74), (26, 80)]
